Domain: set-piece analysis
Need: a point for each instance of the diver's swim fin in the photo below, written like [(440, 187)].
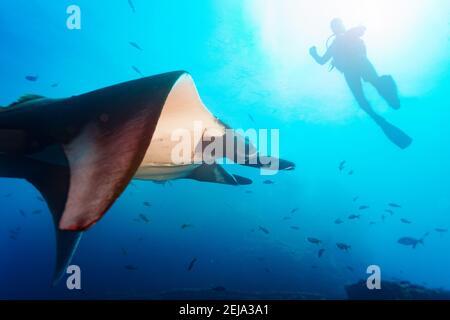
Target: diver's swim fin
[(396, 135), (388, 90), (216, 174)]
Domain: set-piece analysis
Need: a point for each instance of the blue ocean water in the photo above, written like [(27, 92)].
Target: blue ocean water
[(251, 65)]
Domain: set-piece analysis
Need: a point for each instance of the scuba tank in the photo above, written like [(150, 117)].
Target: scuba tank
[(328, 47)]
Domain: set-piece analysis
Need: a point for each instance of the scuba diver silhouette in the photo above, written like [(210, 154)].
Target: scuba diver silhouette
[(349, 55)]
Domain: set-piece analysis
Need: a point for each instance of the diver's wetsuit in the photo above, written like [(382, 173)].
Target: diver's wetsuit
[(349, 55)]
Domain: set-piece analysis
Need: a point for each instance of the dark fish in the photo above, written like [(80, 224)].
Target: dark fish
[(267, 270), (135, 45), (440, 230), (131, 4), (314, 240), (338, 221), (147, 204), (350, 269), (351, 172), (32, 78), (295, 228), (294, 210), (191, 265), (287, 218), (342, 165), (185, 226), (251, 118), (144, 218), (405, 221), (389, 211), (22, 213), (138, 71), (410, 242), (355, 199), (314, 267), (37, 212), (55, 85), (343, 246), (124, 251), (248, 192), (218, 289), (8, 195), (264, 230), (131, 267), (320, 253), (394, 205), (40, 199), (364, 207), (383, 218), (269, 182), (354, 216), (372, 223)]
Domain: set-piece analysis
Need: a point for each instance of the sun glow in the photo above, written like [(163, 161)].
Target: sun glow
[(399, 33)]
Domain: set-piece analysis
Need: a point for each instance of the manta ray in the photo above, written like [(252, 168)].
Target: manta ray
[(81, 152)]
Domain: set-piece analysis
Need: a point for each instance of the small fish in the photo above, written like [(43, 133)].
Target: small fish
[(265, 230), (383, 218), (37, 212), (131, 4), (364, 207), (267, 270), (147, 204), (287, 218), (8, 195), (338, 221), (248, 192), (314, 240), (138, 71), (144, 218), (372, 223), (22, 213), (410, 242), (32, 78), (320, 253), (405, 221), (440, 230), (54, 85), (350, 269), (131, 267), (394, 205), (135, 45), (251, 118), (40, 199), (124, 251), (269, 182), (389, 211), (343, 246), (342, 165), (295, 228), (185, 226), (192, 264), (354, 216), (294, 210), (351, 172), (355, 199)]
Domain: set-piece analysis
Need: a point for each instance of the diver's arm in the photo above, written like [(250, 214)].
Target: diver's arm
[(321, 60), (357, 31)]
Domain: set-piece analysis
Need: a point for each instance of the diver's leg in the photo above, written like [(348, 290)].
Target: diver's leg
[(385, 85), (355, 85)]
